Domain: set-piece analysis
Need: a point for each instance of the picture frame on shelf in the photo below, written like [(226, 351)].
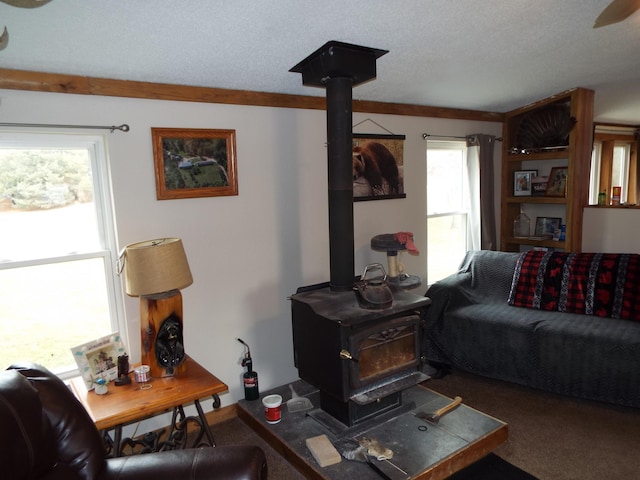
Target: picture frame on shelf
[(557, 184), (547, 226), (539, 185), (99, 358), (194, 162), (522, 182)]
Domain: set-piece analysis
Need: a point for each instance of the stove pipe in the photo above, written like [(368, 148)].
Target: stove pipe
[(339, 67)]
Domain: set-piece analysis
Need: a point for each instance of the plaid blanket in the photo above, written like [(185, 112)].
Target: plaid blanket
[(602, 284)]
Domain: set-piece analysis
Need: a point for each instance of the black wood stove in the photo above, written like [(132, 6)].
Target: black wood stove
[(360, 359)]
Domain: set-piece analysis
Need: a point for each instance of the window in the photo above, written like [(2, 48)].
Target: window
[(57, 248), (447, 208), (613, 164)]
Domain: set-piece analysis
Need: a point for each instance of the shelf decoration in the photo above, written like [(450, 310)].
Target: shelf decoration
[(99, 359), (522, 182), (557, 185), (522, 225), (547, 226), (539, 185), (546, 128)]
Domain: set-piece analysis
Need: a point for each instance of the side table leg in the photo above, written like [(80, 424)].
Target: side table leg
[(117, 441), (205, 424)]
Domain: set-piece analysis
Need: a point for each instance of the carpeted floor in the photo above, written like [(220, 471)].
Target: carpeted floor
[(236, 432), (554, 437), (550, 436)]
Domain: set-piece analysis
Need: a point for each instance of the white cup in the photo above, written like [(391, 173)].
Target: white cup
[(272, 408)]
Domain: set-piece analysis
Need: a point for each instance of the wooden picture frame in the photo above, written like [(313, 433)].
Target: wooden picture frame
[(547, 226), (522, 182), (557, 184), (99, 358), (378, 167), (193, 163)]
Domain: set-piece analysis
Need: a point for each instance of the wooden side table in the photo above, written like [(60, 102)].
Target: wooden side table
[(127, 404)]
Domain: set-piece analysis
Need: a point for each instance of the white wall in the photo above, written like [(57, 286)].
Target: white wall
[(249, 252), (611, 230)]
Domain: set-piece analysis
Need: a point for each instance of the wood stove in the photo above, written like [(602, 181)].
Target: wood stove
[(359, 359)]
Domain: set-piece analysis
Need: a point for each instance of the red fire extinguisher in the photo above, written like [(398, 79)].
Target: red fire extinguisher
[(249, 378)]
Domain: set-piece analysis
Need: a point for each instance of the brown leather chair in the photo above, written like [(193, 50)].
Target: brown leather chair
[(45, 433)]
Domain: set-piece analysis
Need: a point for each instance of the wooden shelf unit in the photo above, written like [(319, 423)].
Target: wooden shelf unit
[(576, 156)]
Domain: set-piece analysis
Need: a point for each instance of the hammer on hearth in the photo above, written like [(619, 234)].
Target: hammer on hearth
[(435, 416)]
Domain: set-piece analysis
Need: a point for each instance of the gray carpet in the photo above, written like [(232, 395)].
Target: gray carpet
[(554, 437), (236, 432)]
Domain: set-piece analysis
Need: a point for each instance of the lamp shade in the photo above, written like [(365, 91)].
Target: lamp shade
[(156, 266)]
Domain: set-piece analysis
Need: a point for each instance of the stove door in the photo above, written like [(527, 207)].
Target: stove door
[(384, 349)]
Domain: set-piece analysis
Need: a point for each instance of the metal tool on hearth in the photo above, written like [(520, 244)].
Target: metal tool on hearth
[(298, 403), (370, 451), (434, 417)]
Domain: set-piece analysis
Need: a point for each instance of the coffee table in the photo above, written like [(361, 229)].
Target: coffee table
[(421, 450)]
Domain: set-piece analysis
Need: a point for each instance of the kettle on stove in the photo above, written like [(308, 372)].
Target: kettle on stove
[(373, 292)]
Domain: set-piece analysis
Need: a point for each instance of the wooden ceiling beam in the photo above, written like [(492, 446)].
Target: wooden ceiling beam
[(80, 85)]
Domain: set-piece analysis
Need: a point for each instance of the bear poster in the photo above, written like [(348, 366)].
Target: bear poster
[(378, 166)]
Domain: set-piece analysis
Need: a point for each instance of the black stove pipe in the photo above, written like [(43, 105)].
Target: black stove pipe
[(338, 67), (339, 151)]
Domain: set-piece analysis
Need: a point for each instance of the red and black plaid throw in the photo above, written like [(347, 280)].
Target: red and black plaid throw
[(602, 284)]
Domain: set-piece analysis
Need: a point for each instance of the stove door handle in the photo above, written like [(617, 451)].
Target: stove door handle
[(346, 355)]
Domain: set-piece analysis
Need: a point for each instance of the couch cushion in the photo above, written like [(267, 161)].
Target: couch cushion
[(601, 284)]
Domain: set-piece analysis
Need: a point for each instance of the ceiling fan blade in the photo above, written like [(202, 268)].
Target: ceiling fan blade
[(4, 39), (26, 3), (616, 11)]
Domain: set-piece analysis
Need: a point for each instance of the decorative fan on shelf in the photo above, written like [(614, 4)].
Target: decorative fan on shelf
[(617, 11), (547, 127)]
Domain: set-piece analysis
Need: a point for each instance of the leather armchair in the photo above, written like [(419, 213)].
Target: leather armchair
[(47, 434)]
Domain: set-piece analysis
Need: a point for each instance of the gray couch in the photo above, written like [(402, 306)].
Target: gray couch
[(470, 326)]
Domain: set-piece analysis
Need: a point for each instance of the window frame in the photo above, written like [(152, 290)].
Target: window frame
[(465, 211), (606, 139), (96, 145)]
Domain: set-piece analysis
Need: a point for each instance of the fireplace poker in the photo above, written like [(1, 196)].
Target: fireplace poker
[(435, 416)]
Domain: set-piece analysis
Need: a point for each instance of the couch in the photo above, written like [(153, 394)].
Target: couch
[(564, 323), (47, 434)]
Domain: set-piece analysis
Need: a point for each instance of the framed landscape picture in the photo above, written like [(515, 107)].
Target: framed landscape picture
[(192, 163)]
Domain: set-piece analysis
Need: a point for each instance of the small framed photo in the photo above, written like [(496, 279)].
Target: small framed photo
[(539, 185), (192, 163), (557, 184), (99, 358), (547, 226), (522, 185)]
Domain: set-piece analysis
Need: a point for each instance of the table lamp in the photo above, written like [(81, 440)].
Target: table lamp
[(155, 271)]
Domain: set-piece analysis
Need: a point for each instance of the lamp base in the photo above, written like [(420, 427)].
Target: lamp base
[(161, 334)]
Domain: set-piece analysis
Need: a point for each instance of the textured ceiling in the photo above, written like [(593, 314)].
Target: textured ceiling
[(492, 55)]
